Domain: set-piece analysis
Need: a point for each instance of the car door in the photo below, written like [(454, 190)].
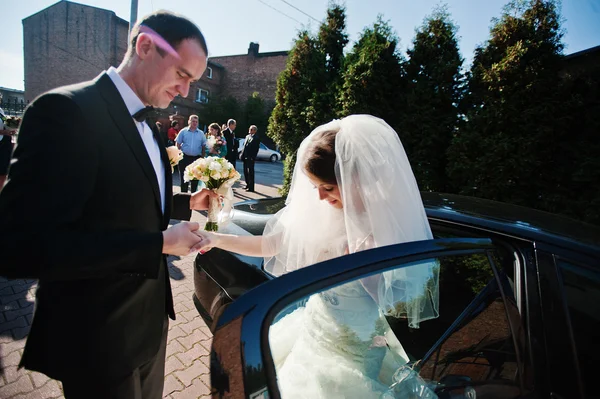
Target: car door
[(241, 147), (570, 293), (476, 346), (263, 152)]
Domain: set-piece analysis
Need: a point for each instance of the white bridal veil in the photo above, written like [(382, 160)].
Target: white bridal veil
[(381, 206)]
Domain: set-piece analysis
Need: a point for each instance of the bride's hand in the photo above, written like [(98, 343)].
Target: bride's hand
[(208, 242)]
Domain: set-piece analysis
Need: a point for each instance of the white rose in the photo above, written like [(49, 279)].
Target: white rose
[(175, 155), (215, 166), (202, 163)]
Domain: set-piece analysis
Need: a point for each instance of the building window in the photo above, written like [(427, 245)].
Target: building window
[(202, 96), (209, 72)]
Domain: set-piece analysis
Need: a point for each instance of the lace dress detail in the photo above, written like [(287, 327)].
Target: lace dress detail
[(338, 345)]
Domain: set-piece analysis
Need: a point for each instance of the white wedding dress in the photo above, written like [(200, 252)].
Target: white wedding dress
[(338, 345)]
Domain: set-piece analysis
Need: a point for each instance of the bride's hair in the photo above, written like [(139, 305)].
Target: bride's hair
[(320, 159)]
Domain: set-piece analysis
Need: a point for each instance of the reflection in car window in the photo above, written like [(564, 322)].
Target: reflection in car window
[(339, 343), (582, 294), (476, 355)]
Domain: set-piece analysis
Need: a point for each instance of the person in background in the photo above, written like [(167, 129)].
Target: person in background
[(232, 142), (172, 133), (251, 146), (5, 146), (192, 142), (219, 149)]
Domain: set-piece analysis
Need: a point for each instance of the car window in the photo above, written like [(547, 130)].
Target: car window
[(262, 146), (504, 255), (339, 342), (582, 295)]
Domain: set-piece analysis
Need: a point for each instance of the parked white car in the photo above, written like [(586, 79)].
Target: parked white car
[(264, 152)]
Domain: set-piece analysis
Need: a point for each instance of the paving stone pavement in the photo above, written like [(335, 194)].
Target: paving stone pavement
[(187, 368), (188, 349)]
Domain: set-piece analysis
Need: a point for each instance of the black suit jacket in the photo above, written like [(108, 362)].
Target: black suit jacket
[(82, 213), (251, 147), (232, 147)]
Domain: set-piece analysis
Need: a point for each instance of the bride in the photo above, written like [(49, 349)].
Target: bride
[(352, 189)]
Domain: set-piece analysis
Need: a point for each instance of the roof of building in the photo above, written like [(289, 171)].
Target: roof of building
[(79, 4), (583, 53), (259, 55), (12, 90)]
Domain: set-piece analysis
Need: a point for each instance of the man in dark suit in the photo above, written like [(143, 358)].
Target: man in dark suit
[(86, 210), (251, 145), (232, 143)]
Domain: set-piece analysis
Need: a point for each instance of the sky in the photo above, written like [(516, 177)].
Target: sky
[(230, 25)]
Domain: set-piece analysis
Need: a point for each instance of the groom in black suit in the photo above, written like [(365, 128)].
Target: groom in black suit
[(251, 146), (86, 210)]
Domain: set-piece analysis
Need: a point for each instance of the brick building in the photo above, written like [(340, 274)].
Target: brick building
[(245, 74), (69, 42)]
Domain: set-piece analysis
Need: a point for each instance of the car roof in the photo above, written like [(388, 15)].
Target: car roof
[(510, 219), (524, 222)]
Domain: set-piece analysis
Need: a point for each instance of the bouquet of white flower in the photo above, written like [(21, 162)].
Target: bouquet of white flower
[(175, 155), (218, 175), (214, 144)]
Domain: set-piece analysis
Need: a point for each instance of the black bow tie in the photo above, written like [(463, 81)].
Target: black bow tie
[(143, 113)]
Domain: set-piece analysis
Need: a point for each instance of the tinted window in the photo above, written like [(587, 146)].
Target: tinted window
[(462, 278), (468, 350), (582, 293), (477, 353), (264, 147), (476, 357)]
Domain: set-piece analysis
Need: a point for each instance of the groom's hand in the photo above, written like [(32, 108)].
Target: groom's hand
[(181, 240), (207, 241), (199, 200)]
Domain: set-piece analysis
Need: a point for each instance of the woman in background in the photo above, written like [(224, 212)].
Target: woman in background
[(172, 133), (217, 144)]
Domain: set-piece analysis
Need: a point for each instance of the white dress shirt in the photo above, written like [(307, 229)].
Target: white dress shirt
[(134, 104)]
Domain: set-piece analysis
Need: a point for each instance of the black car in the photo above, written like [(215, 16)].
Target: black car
[(519, 303)]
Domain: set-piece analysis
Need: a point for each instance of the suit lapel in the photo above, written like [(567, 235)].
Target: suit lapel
[(124, 121)]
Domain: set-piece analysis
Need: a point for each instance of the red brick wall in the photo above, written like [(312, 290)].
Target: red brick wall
[(247, 73), (69, 43)]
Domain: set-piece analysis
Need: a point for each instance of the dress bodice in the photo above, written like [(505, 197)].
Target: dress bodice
[(350, 305)]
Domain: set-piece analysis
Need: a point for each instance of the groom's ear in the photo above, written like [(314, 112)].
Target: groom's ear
[(143, 45)]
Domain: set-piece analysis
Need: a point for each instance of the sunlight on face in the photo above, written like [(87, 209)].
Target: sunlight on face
[(169, 76), (193, 123), (327, 191)]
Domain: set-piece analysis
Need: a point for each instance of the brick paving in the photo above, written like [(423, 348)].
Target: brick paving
[(187, 368), (188, 349)]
